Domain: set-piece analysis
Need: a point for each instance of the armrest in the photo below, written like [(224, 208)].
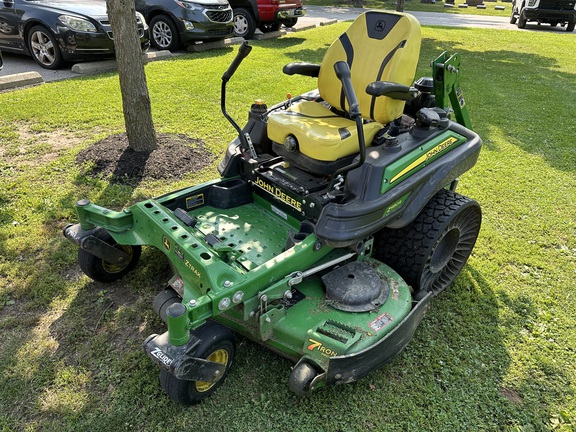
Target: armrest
[(300, 68), (392, 90)]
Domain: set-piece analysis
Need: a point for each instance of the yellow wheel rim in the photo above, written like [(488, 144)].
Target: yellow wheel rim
[(117, 268), (218, 356)]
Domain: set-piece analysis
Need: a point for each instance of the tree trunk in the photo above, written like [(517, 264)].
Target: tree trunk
[(135, 98), (399, 5)]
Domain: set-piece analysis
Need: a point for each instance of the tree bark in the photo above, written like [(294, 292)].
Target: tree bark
[(133, 86), (399, 5)]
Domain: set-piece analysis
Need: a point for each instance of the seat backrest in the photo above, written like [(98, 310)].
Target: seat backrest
[(378, 46)]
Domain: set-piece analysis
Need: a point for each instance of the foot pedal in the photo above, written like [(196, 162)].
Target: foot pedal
[(188, 220)]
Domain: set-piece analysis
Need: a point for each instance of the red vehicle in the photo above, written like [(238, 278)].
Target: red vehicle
[(267, 15)]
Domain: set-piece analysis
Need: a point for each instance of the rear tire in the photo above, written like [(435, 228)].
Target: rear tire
[(521, 19), (431, 251), (290, 22), (102, 271), (244, 23), (570, 26), (218, 345), (513, 18)]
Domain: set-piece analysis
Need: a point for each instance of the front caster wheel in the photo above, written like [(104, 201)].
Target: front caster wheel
[(102, 271), (431, 251), (301, 377), (217, 345)]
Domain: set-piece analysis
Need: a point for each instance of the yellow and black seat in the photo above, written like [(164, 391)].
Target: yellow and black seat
[(317, 136)]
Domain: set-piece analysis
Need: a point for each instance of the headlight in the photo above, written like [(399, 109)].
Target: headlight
[(187, 5), (531, 3), (140, 19), (78, 24)]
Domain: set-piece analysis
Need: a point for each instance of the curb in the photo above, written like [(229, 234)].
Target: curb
[(270, 35), (20, 80), (110, 65), (205, 46)]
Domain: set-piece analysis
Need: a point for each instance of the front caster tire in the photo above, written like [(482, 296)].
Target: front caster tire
[(102, 271), (301, 377), (217, 345), (431, 251)]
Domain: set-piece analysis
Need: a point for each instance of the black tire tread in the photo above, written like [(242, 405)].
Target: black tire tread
[(213, 335), (301, 378), (92, 265), (406, 249)]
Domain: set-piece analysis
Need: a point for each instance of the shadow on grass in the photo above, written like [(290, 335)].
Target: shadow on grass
[(79, 366), (97, 378), (520, 93)]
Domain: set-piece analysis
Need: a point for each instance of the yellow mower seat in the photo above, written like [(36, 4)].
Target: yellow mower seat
[(378, 46), (321, 134)]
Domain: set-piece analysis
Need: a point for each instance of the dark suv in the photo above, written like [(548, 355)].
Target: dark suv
[(552, 12), (267, 15), (174, 23)]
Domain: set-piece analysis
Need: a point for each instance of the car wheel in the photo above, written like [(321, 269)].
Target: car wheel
[(217, 344), (102, 271), (431, 251), (44, 48), (521, 19), (269, 27), (290, 22), (513, 18), (244, 23), (164, 33), (570, 26)]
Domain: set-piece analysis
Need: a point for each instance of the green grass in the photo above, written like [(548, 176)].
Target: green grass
[(495, 352), (415, 5)]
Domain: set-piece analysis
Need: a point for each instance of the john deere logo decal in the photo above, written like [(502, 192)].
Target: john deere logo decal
[(166, 243)]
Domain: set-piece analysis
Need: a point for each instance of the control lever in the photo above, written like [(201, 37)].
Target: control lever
[(343, 74), (243, 52)]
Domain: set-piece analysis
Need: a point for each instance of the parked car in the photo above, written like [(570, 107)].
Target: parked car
[(267, 15), (56, 31), (174, 23), (551, 12)]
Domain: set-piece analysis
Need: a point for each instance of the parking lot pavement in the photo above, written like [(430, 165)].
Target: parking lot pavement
[(315, 16)]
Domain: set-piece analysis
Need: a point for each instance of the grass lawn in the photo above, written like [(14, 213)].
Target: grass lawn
[(415, 5), (495, 352)]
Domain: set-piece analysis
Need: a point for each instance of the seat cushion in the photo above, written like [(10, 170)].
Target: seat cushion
[(378, 46), (321, 134)]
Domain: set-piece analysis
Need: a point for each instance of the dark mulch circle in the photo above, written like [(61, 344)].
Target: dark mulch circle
[(176, 156)]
